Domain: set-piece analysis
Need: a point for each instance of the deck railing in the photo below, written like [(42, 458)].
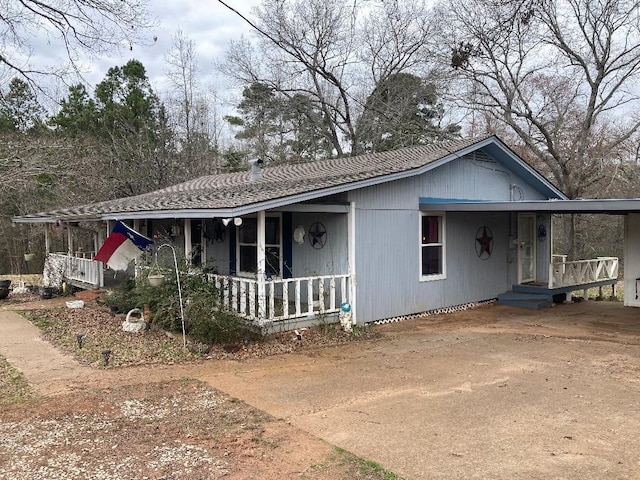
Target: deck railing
[(283, 299), (81, 270), (582, 272)]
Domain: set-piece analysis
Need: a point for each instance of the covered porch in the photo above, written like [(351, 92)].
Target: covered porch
[(282, 268)]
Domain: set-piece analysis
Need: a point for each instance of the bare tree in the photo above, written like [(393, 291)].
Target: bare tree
[(193, 110), (560, 74), (333, 52), (75, 27)]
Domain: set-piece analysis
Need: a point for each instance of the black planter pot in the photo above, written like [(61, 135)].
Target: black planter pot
[(46, 292), (5, 283), (4, 293)]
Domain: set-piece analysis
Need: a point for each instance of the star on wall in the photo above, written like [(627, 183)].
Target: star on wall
[(484, 242), (317, 235)]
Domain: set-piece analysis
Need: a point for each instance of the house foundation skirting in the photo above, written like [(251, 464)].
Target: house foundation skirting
[(437, 311)]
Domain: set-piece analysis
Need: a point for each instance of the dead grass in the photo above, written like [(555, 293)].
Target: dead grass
[(13, 385)]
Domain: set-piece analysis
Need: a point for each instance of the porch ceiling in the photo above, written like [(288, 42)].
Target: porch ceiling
[(604, 206)]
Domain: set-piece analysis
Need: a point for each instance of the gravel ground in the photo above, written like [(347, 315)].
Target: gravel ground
[(174, 430)]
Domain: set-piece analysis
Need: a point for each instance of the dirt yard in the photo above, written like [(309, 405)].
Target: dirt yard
[(489, 393)]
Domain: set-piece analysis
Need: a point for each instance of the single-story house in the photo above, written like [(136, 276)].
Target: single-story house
[(393, 234)]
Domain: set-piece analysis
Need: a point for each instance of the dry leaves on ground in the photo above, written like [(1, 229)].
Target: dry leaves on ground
[(102, 330)]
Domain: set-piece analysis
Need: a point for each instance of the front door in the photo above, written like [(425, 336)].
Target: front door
[(526, 248)]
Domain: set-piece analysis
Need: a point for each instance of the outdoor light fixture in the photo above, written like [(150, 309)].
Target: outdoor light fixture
[(237, 221), (80, 338), (106, 354)]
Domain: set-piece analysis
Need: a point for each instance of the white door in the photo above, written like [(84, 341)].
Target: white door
[(526, 248)]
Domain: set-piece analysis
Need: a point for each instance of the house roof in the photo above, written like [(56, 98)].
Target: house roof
[(233, 194)]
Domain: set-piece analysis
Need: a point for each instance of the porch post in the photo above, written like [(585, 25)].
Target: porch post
[(136, 261), (187, 241), (260, 269), (351, 236), (69, 241), (47, 242), (99, 241)]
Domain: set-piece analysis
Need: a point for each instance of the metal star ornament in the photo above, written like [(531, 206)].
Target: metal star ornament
[(484, 242), (317, 235)]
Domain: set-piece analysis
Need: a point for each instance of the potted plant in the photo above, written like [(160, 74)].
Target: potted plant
[(155, 279), (4, 288)]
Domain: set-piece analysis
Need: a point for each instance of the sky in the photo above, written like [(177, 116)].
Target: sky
[(208, 23)]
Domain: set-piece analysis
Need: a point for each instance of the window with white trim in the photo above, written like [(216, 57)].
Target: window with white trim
[(247, 253), (432, 246)]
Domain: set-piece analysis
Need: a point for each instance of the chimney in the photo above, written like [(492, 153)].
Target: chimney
[(256, 169)]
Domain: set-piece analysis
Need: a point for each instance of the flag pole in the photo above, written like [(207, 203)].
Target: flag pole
[(175, 263)]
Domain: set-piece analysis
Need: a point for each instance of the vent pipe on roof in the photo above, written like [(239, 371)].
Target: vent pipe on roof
[(256, 169)]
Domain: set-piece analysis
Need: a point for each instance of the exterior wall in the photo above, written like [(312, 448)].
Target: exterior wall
[(388, 269), (387, 240), (332, 258), (306, 260), (631, 259)]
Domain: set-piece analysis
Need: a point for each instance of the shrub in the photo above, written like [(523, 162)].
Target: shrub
[(206, 321)]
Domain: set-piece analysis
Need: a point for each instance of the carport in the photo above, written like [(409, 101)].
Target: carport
[(630, 208)]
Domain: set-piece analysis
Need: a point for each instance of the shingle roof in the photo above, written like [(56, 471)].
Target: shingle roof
[(232, 190)]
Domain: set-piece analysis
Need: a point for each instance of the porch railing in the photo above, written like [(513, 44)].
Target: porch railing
[(81, 270), (283, 299), (582, 272)]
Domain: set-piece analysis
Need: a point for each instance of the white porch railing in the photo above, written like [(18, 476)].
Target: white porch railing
[(81, 270), (284, 299), (582, 272)]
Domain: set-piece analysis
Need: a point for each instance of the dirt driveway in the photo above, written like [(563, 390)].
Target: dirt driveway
[(491, 393)]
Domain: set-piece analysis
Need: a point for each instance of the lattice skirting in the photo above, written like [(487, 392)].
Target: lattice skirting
[(437, 311)]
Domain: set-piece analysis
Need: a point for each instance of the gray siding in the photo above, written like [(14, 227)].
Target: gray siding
[(388, 269), (332, 258), (387, 240)]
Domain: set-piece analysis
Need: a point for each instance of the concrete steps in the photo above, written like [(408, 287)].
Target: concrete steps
[(526, 300)]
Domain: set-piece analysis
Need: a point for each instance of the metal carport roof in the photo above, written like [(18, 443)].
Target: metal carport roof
[(611, 206)]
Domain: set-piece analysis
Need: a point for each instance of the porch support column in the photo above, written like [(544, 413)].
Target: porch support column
[(99, 241), (136, 261), (47, 241), (187, 242), (260, 273), (69, 241), (351, 239)]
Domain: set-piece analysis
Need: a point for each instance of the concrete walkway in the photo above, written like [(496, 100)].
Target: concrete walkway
[(45, 368)]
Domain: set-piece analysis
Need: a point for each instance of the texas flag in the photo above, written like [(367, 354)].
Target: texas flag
[(123, 245)]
